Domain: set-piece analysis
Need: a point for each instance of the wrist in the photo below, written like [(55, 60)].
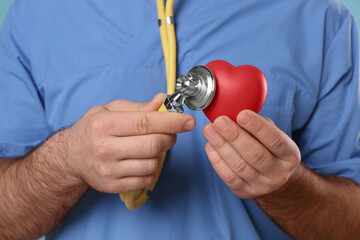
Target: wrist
[(296, 180), (55, 155)]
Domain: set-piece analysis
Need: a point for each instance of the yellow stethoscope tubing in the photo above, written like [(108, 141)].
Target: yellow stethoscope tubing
[(171, 51), (163, 34), (134, 200)]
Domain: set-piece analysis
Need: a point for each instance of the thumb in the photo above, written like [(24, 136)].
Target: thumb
[(124, 105), (154, 104)]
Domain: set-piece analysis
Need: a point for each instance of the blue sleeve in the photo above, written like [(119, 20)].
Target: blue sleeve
[(330, 142), (23, 124)]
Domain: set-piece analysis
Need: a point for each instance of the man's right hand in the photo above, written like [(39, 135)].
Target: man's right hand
[(119, 146)]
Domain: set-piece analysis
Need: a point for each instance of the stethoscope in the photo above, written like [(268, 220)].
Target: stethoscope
[(198, 87), (134, 200)]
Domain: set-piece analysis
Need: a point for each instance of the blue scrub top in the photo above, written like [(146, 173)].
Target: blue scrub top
[(60, 58)]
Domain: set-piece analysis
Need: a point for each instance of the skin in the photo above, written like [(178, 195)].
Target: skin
[(113, 148), (258, 161)]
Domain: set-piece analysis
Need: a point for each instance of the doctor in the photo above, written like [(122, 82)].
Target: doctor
[(68, 145)]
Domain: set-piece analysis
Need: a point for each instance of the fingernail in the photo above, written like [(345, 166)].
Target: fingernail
[(189, 125), (244, 118), (162, 95), (221, 124), (210, 148), (211, 131), (158, 97)]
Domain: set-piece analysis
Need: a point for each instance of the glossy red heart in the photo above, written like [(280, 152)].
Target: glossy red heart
[(238, 88)]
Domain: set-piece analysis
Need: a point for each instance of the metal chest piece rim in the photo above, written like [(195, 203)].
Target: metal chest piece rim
[(196, 90)]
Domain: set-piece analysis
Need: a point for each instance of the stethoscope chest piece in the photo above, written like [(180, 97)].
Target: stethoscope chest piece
[(196, 90)]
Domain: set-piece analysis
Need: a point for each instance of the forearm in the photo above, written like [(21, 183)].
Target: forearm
[(310, 206), (37, 190)]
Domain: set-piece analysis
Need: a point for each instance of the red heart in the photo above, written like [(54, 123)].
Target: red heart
[(238, 88)]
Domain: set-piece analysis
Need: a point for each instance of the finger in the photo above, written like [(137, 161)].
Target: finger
[(226, 151), (132, 167), (267, 119), (124, 105), (143, 146), (128, 184), (224, 171), (139, 167), (155, 104), (142, 123), (268, 134), (249, 148)]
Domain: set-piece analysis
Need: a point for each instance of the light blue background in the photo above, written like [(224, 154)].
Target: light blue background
[(4, 5), (353, 5)]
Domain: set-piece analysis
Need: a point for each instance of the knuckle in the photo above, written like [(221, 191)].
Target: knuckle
[(238, 185), (96, 124), (143, 125), (123, 187), (155, 146), (172, 126), (118, 187), (150, 179), (220, 144), (268, 120), (216, 160), (230, 180), (143, 182), (104, 171), (296, 157), (114, 104), (95, 109), (293, 165), (277, 142), (257, 128), (239, 166), (234, 135), (117, 102), (258, 156), (151, 166)]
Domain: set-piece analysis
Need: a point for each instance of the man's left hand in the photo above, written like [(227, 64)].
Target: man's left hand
[(253, 157)]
